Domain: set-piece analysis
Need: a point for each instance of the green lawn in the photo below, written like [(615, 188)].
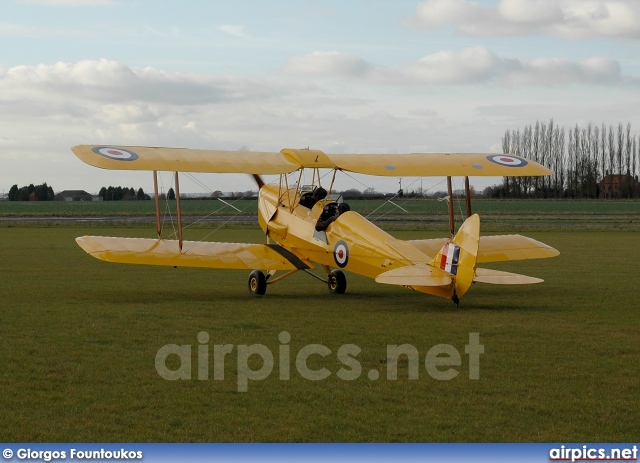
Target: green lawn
[(78, 340)]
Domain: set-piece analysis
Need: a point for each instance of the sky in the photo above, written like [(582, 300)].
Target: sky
[(358, 76)]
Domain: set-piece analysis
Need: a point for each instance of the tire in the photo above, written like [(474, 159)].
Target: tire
[(337, 282), (257, 283)]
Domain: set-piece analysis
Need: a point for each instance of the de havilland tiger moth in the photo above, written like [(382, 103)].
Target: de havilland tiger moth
[(309, 227)]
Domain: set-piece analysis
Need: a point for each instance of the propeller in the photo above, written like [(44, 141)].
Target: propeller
[(258, 180)]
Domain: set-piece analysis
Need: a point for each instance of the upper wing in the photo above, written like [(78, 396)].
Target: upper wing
[(497, 248), (193, 254), (183, 160), (289, 160), (438, 165)]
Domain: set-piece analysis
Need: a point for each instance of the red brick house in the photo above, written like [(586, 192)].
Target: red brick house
[(619, 186)]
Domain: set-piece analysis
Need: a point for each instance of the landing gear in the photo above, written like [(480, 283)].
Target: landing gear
[(337, 282), (257, 283), (455, 299)]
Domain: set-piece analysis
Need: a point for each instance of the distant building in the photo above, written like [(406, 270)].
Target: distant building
[(619, 186), (74, 195)]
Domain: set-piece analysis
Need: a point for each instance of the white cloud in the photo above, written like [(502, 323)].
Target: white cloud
[(475, 65), (328, 63), (573, 19), (530, 13), (46, 109), (557, 72), (109, 81), (454, 67), (237, 31)]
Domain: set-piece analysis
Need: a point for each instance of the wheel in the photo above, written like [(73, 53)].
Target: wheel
[(337, 282), (257, 283)]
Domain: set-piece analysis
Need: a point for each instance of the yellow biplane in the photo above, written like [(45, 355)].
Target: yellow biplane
[(309, 226)]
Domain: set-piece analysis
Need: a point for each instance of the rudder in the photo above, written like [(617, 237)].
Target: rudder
[(458, 256)]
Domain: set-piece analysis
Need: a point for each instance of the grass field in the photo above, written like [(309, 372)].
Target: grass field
[(79, 339)]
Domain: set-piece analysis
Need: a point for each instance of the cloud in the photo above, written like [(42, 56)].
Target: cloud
[(558, 72), (236, 31), (327, 63), (475, 65), (110, 81), (470, 65), (46, 109), (572, 19)]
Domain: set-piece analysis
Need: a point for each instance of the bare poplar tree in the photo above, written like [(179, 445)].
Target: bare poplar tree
[(612, 159), (627, 155), (584, 166), (619, 156), (603, 153), (506, 146), (634, 164), (595, 158), (561, 164)]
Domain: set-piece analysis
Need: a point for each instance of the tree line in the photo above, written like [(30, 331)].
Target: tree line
[(119, 193), (587, 162), (31, 192)]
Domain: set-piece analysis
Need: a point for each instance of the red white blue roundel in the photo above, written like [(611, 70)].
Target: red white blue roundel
[(341, 254), (115, 153), (506, 160)]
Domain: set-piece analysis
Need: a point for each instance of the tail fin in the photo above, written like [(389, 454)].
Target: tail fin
[(458, 256)]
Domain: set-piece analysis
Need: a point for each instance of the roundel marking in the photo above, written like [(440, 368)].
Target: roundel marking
[(509, 161), (118, 154), (341, 254)]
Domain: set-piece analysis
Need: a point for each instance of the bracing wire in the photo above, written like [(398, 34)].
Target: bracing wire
[(167, 206), (462, 213), (238, 211), (390, 200)]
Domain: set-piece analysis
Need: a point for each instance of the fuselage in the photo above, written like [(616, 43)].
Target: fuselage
[(351, 242)]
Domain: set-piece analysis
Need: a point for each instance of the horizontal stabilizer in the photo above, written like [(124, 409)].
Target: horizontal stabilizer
[(194, 253), (502, 248), (415, 275), (498, 248), (496, 277)]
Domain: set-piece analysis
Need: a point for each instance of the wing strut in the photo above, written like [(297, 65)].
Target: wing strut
[(157, 201), (467, 193), (452, 220), (178, 212)]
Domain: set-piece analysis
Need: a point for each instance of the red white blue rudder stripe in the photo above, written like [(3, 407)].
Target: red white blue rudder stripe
[(449, 259)]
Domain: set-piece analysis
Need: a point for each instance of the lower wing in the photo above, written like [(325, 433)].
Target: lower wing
[(193, 254)]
